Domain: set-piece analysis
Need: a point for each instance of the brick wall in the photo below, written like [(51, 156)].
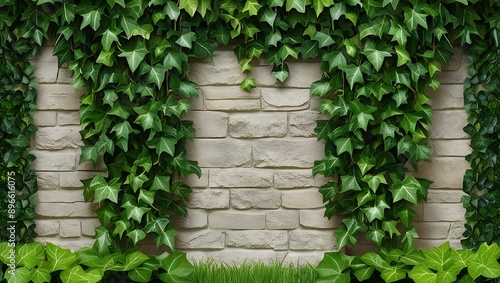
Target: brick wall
[(257, 198)]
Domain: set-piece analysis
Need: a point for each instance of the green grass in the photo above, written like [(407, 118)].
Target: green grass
[(253, 272)]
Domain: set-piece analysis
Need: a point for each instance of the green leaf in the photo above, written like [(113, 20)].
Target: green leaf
[(148, 115), (252, 7), (349, 183), (364, 273), (104, 190), (78, 275), (40, 275), (375, 55), (157, 75), (374, 181), (414, 18), (247, 84), (437, 258), (281, 72), (421, 273), (409, 122), (399, 33), (347, 232), (122, 130), (134, 54), (333, 263), (134, 260), (177, 267), (136, 182), (202, 49), (172, 10), (286, 51), (299, 5), (484, 262), (344, 145), (108, 37), (140, 274), (406, 190), (106, 57), (166, 145), (323, 39), (186, 40), (376, 211), (133, 211), (28, 255), (376, 236), (189, 5), (136, 236), (353, 75), (92, 18), (322, 88), (161, 182), (58, 258), (188, 88), (268, 16), (20, 275), (393, 274), (403, 55)]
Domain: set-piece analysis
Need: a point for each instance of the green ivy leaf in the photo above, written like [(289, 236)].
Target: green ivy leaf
[(77, 275), (108, 37), (133, 211), (393, 274), (189, 6), (374, 181), (414, 19), (186, 40), (399, 33), (344, 145), (148, 115), (376, 236), (406, 190), (323, 39), (420, 273), (252, 7), (28, 255), (281, 72), (349, 183), (403, 55), (157, 75), (172, 10), (299, 5), (58, 258), (136, 236), (177, 267), (40, 275), (136, 182), (377, 210), (134, 53), (140, 274), (104, 190), (92, 18), (247, 84), (286, 51), (353, 75), (375, 54)]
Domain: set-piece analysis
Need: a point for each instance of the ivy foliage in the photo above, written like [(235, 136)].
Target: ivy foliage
[(482, 92), (21, 34)]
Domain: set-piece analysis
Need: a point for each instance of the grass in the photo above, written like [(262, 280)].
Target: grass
[(253, 272)]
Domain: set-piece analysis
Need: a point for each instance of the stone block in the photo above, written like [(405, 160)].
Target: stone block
[(257, 198), (209, 199), (46, 228), (448, 97), (458, 148), (89, 225), (237, 220), (288, 179), (198, 182), (54, 160), (284, 99), (44, 118), (291, 153), (60, 196), (76, 209), (240, 178), (58, 137), (205, 239), (443, 212), (64, 76), (223, 70), (68, 243), (315, 219), (197, 218), (209, 124), (302, 124), (68, 118), (442, 196), (457, 230), (311, 240), (454, 75), (57, 97), (46, 68), (433, 243), (220, 152), (448, 124), (257, 239), (47, 180), (197, 103), (445, 172), (233, 105), (70, 229), (302, 199), (263, 77), (303, 74), (229, 93), (72, 180), (433, 230), (282, 219), (258, 125)]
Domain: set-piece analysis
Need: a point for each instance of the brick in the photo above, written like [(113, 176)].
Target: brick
[(70, 229), (68, 243), (197, 103), (284, 99), (258, 125), (54, 161), (209, 124), (234, 256), (58, 138), (198, 182), (45, 228), (64, 76), (257, 239), (209, 199), (57, 97), (457, 230), (229, 92), (60, 196), (433, 230), (233, 105), (223, 70), (44, 118), (72, 180), (240, 178), (47, 180), (76, 209), (46, 65), (68, 118), (237, 220), (282, 219), (458, 148), (257, 198), (89, 225), (302, 199), (263, 77), (316, 219), (220, 152), (197, 218), (456, 74), (449, 124), (303, 74), (445, 172), (88, 166), (204, 239), (314, 103), (287, 179), (441, 196), (296, 152), (448, 97), (443, 212), (311, 240), (302, 124)]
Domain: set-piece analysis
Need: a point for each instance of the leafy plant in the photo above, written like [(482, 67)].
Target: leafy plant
[(440, 264)]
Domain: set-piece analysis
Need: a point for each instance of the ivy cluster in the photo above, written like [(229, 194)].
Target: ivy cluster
[(21, 34), (482, 93)]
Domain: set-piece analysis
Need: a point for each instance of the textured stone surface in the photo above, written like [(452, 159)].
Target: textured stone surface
[(209, 124), (256, 198), (443, 212), (198, 182), (311, 240), (60, 196), (68, 118), (457, 230), (57, 97), (209, 199), (47, 180), (442, 196), (298, 152), (197, 218), (76, 209), (282, 219), (302, 198), (258, 239), (70, 229), (71, 180), (448, 97), (449, 124), (284, 99), (229, 92), (240, 178), (220, 153), (88, 226), (315, 219), (445, 172), (302, 124), (459, 148), (287, 179), (258, 125), (204, 239), (54, 160), (237, 220), (44, 118), (433, 230), (47, 227), (58, 137), (233, 105), (224, 70), (303, 75)]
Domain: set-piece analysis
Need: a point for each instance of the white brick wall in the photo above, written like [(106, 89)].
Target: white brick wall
[(257, 198)]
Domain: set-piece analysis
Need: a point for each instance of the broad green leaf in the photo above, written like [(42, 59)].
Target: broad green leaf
[(58, 258), (108, 37), (349, 183), (134, 212), (40, 275), (252, 7), (484, 262), (136, 182), (166, 145), (122, 129), (438, 257), (247, 84), (365, 162), (376, 236), (172, 10), (157, 75), (28, 255), (375, 55), (336, 59), (353, 75), (391, 227), (387, 129), (202, 49), (323, 39), (146, 196), (406, 190), (92, 18), (134, 54), (374, 181), (374, 260), (148, 115), (344, 145), (136, 236), (78, 275), (134, 260), (332, 263), (422, 274), (203, 7), (399, 33), (393, 274), (140, 274), (309, 49), (364, 273), (106, 57), (104, 190), (347, 232), (376, 211), (403, 55), (186, 40), (327, 166), (189, 6), (188, 89), (286, 51), (414, 18), (19, 275), (143, 30), (299, 5), (177, 267), (281, 72), (322, 88), (268, 16), (417, 70), (409, 122)]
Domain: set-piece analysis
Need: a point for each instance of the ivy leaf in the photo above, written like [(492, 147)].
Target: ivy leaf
[(344, 145), (309, 49), (375, 54), (299, 5), (353, 75), (92, 18), (202, 49), (336, 59), (420, 273), (203, 7), (377, 210), (273, 38), (58, 258), (322, 88), (157, 75), (174, 60), (134, 53), (286, 51), (104, 190), (136, 182), (108, 37), (409, 122), (247, 84), (188, 88), (417, 70), (68, 12), (268, 16), (414, 18), (323, 39), (178, 268), (327, 166), (166, 145), (406, 215), (134, 211), (252, 7), (349, 183), (186, 40), (148, 115), (29, 254), (387, 129), (399, 33), (406, 190), (393, 274), (77, 274), (189, 6), (136, 235), (376, 236), (374, 181), (347, 232), (281, 72), (106, 57), (172, 10), (403, 55)]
